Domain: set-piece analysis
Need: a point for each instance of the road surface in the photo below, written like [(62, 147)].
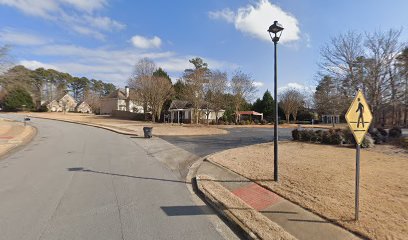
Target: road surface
[(80, 182), (238, 137)]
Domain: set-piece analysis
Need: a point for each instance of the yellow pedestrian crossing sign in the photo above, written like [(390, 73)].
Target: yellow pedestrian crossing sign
[(359, 117)]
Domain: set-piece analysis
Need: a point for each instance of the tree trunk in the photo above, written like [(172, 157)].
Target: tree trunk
[(287, 118)]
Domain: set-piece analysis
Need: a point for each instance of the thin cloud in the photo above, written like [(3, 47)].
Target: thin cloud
[(32, 64), (297, 86), (113, 65), (146, 43), (258, 84), (254, 20), (12, 37), (77, 15)]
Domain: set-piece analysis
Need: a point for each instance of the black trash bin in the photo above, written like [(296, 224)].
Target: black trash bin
[(148, 132)]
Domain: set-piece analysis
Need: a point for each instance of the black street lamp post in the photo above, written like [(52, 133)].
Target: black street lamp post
[(275, 28)]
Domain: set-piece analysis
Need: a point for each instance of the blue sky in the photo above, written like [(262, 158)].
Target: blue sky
[(103, 39)]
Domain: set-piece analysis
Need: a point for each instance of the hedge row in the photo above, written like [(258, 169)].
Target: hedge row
[(331, 136)]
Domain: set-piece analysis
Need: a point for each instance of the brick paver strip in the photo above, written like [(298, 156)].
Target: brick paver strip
[(256, 196), (6, 137)]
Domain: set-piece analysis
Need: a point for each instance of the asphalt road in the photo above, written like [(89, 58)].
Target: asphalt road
[(79, 182), (238, 137)]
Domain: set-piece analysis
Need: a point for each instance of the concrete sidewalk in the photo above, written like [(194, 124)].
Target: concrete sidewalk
[(294, 219)]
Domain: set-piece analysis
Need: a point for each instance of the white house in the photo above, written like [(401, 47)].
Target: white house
[(120, 100), (183, 112)]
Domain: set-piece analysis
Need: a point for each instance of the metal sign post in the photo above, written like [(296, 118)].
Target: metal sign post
[(358, 118), (357, 181)]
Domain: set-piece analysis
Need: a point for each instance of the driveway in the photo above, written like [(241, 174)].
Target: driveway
[(80, 182), (238, 137)]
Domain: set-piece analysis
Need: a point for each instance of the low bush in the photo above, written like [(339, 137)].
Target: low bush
[(368, 141), (382, 131), (336, 137), (395, 132), (263, 122), (307, 135), (43, 108), (295, 134), (256, 121), (331, 136)]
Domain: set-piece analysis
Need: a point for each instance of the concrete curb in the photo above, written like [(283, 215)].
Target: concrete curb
[(91, 125), (22, 143), (236, 211)]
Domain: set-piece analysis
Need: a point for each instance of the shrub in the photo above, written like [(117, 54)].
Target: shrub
[(221, 122), (326, 137), (307, 135), (336, 137), (263, 122), (318, 136), (395, 132), (295, 134), (43, 108), (256, 121), (378, 138), (16, 98), (348, 136), (368, 141), (382, 131)]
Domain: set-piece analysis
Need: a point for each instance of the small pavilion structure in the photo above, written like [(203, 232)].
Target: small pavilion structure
[(331, 119), (248, 115)]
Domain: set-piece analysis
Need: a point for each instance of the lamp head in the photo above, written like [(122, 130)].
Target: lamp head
[(275, 27)]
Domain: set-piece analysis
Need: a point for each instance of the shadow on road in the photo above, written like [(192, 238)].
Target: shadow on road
[(187, 210), (80, 169)]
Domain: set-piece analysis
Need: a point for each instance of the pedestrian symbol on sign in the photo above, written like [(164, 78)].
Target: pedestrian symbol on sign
[(360, 116)]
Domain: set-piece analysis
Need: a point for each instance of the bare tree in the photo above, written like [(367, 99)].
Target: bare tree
[(144, 68), (242, 89), (160, 89), (152, 90), (368, 64), (383, 48), (291, 101), (339, 57), (214, 91), (194, 80)]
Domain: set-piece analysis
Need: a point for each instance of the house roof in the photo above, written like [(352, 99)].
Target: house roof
[(83, 103), (249, 113), (179, 104), (117, 94)]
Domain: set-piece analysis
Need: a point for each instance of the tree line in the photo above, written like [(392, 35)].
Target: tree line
[(48, 84), (205, 89), (376, 63)]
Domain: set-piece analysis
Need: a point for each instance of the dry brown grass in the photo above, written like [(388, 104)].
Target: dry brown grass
[(159, 129), (321, 178)]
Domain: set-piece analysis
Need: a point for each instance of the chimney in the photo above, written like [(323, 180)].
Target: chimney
[(127, 91)]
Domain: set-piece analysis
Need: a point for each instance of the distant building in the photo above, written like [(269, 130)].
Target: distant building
[(120, 100), (83, 107), (248, 115), (183, 112), (69, 104)]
